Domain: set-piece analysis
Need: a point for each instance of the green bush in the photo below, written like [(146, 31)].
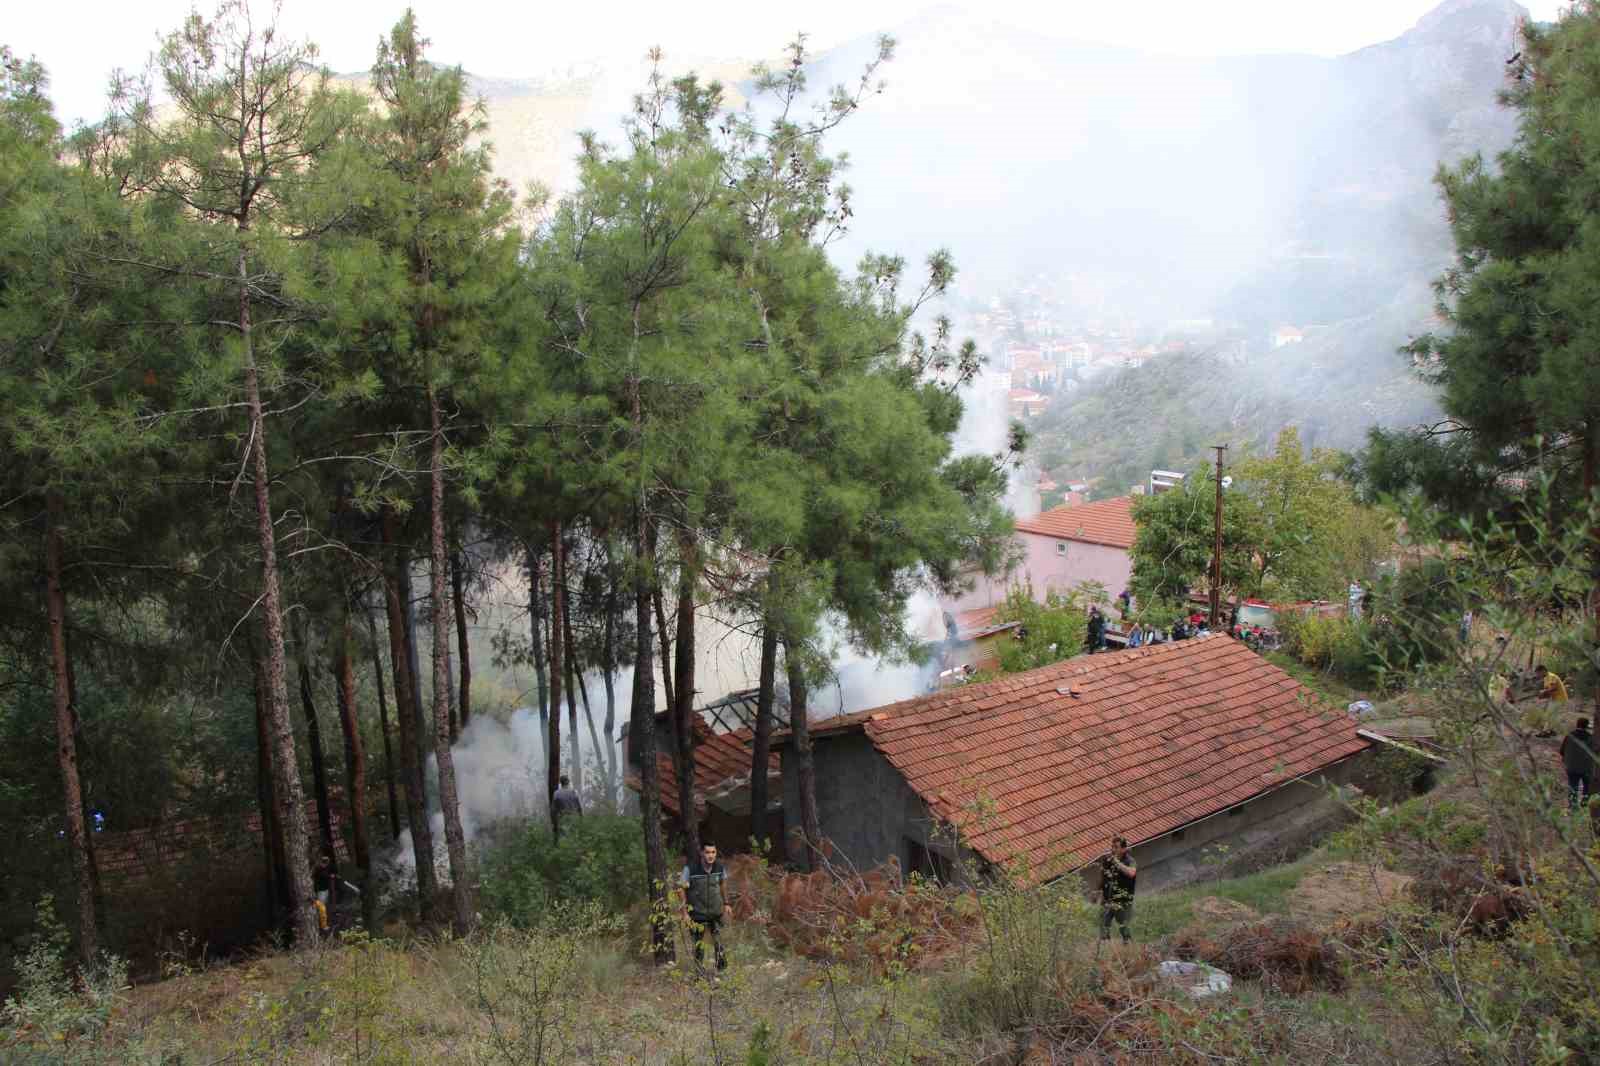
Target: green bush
[(1051, 631), (1033, 956), (528, 874), (1339, 646), (60, 1014)]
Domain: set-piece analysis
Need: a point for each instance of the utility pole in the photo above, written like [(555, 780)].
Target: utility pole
[(1216, 547)]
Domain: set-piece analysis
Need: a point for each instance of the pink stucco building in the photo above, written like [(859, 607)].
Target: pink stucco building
[(1063, 548)]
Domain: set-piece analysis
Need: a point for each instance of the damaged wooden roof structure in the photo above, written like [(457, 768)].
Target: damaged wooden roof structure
[(723, 754), (1036, 772)]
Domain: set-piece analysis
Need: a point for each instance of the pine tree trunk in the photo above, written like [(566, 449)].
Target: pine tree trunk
[(66, 741), (572, 691), (457, 581), (761, 743), (423, 721), (405, 709), (608, 674), (805, 768), (319, 767), (541, 679), (285, 769), (683, 707), (81, 745), (574, 742), (383, 725), (355, 764), (264, 805), (668, 690), (449, 801), (642, 745), (588, 717), (1591, 475), (643, 711), (271, 831), (553, 744), (442, 638)]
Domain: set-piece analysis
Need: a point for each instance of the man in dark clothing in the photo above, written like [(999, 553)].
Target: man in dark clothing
[(703, 888), (1095, 639), (1577, 755), (567, 802), (1118, 873)]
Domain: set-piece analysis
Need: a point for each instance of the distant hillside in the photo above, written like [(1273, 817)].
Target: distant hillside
[(1167, 413), (1250, 191), (534, 122)]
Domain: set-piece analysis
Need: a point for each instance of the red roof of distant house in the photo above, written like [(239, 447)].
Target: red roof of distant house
[(1108, 522), (1045, 767)]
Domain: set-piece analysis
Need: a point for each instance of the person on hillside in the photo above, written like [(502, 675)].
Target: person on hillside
[(1577, 756), (1125, 602), (1551, 687), (324, 882), (1095, 638), (1118, 875), (703, 886), (568, 804)]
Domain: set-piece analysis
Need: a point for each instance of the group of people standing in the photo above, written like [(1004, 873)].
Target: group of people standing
[(1138, 635)]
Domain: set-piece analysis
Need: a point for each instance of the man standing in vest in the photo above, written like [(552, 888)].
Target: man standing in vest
[(703, 887), (1118, 876)]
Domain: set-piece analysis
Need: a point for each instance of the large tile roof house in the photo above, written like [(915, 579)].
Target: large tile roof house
[(1173, 746), (1107, 522), (1064, 548)]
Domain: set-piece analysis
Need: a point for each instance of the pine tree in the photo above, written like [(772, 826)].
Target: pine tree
[(251, 115), (1519, 367), (76, 402)]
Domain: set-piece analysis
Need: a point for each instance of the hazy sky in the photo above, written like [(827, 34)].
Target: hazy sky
[(81, 42)]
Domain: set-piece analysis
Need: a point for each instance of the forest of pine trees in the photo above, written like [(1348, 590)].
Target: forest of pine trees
[(286, 374)]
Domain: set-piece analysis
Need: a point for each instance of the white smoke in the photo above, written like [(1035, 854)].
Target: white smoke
[(861, 682), (501, 770)]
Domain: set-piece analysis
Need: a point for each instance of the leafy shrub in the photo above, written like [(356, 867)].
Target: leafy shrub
[(1031, 958), (1050, 632), (527, 983), (528, 874), (55, 1018), (1338, 646)]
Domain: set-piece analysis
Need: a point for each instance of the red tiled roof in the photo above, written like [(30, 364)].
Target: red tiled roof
[(718, 758), (1047, 766), (1108, 522), (980, 622)]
